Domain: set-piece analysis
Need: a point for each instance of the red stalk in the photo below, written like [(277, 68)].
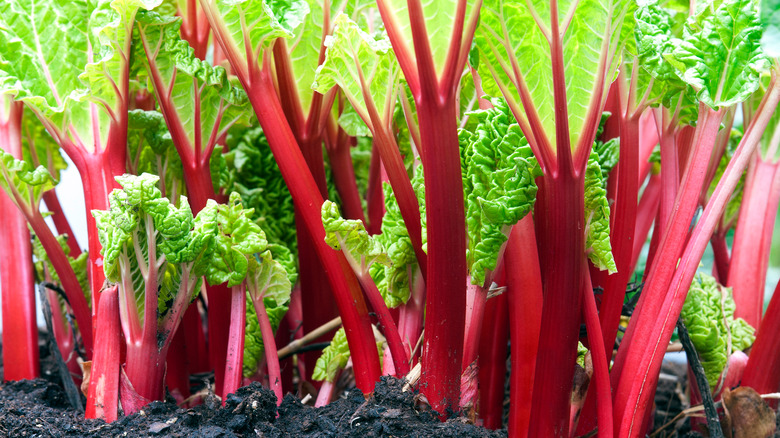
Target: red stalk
[(670, 249), (753, 237), (61, 222), (492, 362), (600, 360), (623, 223), (20, 331), (234, 359), (410, 319), (308, 200), (669, 167), (646, 214), (344, 175), (524, 298), (446, 281), (269, 346), (389, 329), (762, 372), (476, 297), (663, 310), (720, 250), (103, 396), (374, 194)]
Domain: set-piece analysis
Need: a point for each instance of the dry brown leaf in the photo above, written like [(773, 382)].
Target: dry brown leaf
[(748, 414)]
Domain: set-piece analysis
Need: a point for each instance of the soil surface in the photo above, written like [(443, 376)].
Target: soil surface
[(39, 408)]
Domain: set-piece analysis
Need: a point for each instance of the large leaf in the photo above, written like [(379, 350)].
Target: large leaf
[(198, 100), (509, 35), (354, 60), (45, 63), (439, 18), (770, 22), (719, 54), (255, 24)]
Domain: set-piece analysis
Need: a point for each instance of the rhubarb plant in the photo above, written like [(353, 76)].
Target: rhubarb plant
[(157, 253)]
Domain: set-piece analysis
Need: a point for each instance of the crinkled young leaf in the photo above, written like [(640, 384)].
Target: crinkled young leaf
[(255, 175), (353, 53), (24, 184), (183, 245), (238, 240), (707, 311), (597, 242), (198, 100), (508, 33), (150, 150), (333, 359), (393, 280), (498, 180), (719, 54), (350, 236)]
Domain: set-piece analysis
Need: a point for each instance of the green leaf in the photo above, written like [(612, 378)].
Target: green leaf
[(238, 240), (255, 175), (508, 34), (708, 313), (150, 150), (393, 281), (198, 100), (597, 241), (352, 54), (24, 184), (720, 53), (351, 237), (770, 22), (253, 23), (334, 358), (439, 18), (44, 268), (38, 146), (498, 181)]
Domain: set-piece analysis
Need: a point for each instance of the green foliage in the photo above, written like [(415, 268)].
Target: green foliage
[(151, 150), (351, 237), (24, 184), (770, 22), (719, 54), (141, 223), (708, 313), (44, 267), (356, 62), (498, 180), (603, 157), (334, 358), (508, 35)]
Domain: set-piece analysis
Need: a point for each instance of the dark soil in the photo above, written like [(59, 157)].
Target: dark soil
[(39, 408)]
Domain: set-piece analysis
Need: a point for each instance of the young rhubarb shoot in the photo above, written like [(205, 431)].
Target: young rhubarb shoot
[(157, 254)]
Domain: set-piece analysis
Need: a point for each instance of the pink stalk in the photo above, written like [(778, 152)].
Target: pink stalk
[(762, 372), (524, 295), (753, 237), (20, 331), (410, 319), (389, 329), (597, 354), (374, 195), (658, 315), (646, 213), (326, 392), (103, 396), (269, 346), (720, 250), (234, 359), (475, 310), (61, 222), (669, 250), (492, 362)]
